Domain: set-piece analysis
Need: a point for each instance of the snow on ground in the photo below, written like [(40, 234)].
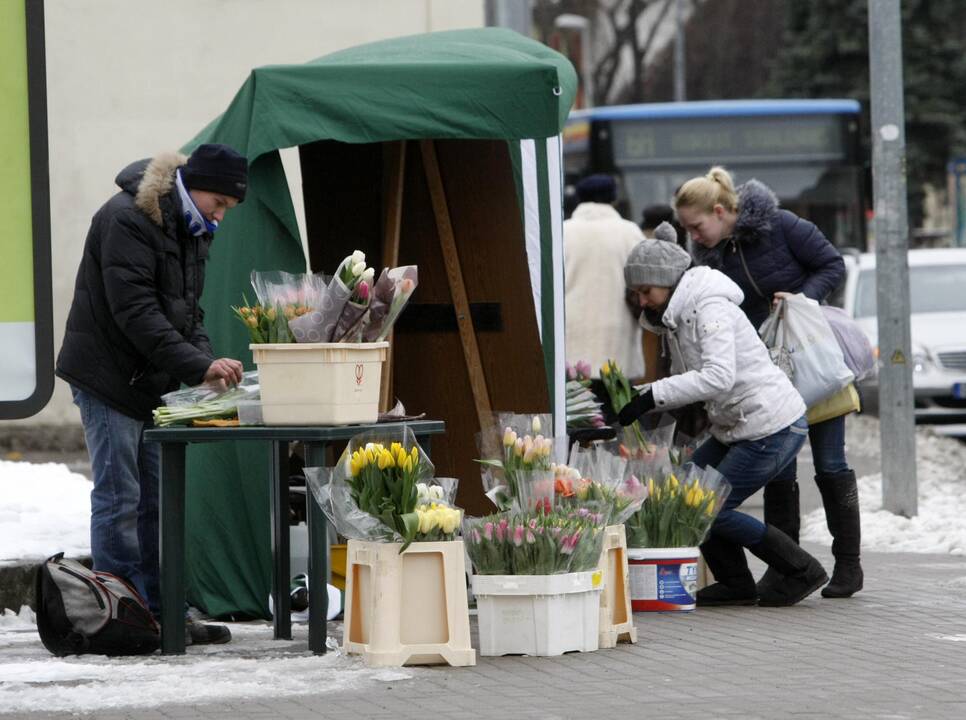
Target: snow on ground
[(940, 526), (44, 509), (252, 665)]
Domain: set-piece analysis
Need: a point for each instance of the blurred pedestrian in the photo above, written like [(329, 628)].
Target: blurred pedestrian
[(136, 331), (654, 215), (770, 253), (597, 241), (756, 415)]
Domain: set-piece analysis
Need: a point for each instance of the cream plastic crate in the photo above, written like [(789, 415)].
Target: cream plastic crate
[(616, 618), (319, 383), (538, 614), (409, 608)]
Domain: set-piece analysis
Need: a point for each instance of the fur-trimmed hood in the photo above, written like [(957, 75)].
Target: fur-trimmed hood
[(149, 181), (757, 213)]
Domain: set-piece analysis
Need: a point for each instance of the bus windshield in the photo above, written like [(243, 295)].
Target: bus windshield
[(807, 152)]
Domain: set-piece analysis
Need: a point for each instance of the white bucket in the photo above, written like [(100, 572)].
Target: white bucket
[(319, 383), (663, 579)]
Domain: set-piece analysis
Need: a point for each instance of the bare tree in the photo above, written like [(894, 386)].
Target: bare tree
[(620, 35)]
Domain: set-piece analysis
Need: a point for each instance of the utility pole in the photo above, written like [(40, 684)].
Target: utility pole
[(897, 431), (513, 14), (680, 70), (581, 24)]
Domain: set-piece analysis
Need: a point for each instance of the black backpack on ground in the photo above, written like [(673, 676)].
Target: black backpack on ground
[(85, 611)]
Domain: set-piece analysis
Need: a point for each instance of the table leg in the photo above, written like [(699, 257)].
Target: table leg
[(171, 511), (281, 599), (318, 557)]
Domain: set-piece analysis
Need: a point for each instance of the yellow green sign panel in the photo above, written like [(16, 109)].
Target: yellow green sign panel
[(26, 362)]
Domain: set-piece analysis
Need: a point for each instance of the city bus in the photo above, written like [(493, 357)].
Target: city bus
[(808, 151)]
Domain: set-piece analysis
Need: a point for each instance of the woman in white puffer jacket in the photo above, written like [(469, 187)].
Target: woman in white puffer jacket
[(757, 417)]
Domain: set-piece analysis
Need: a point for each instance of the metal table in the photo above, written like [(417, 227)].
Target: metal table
[(173, 442)]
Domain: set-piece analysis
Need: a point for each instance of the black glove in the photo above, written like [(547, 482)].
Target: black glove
[(643, 403)]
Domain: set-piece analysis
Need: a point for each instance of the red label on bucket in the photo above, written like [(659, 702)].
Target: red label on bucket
[(662, 584)]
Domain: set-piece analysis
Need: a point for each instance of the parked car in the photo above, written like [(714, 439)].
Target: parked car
[(937, 285)]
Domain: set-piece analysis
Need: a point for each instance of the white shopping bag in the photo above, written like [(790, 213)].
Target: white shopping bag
[(802, 344)]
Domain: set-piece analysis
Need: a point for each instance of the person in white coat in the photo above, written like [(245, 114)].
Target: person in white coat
[(757, 416), (597, 241)]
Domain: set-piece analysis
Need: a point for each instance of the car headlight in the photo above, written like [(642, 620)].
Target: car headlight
[(921, 359)]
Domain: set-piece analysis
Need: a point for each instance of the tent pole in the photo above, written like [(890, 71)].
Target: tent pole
[(394, 173), (451, 258)]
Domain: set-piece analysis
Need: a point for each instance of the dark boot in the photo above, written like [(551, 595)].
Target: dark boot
[(802, 573), (840, 496), (196, 633), (781, 510), (736, 584)]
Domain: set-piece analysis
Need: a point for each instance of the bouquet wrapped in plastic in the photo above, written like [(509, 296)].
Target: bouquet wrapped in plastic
[(512, 448), (382, 489), (206, 402), (348, 307), (598, 478), (389, 296), (680, 508), (282, 299), (583, 408), (535, 543)]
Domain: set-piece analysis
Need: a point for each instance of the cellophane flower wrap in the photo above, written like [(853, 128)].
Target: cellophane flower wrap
[(390, 293), (583, 408), (321, 326), (515, 454), (598, 477), (681, 505), (438, 517), (536, 542), (373, 491), (649, 445), (282, 298)]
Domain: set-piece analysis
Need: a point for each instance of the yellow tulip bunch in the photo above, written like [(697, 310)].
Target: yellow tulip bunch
[(438, 522), (675, 513), (383, 481), (378, 456), (620, 391)]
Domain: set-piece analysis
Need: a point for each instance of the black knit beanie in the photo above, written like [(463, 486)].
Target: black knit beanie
[(217, 168)]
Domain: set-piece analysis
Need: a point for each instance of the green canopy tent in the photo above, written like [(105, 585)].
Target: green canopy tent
[(441, 150)]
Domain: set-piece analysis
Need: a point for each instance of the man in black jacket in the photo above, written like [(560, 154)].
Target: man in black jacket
[(136, 331)]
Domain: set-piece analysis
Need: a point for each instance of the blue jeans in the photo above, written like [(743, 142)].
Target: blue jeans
[(828, 450), (749, 465), (124, 501)]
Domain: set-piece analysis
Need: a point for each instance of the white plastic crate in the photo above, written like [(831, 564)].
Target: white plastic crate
[(319, 383), (538, 614)]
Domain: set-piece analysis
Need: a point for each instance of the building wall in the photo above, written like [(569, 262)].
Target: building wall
[(128, 78)]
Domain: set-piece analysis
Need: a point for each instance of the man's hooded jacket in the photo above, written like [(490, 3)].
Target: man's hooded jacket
[(136, 329)]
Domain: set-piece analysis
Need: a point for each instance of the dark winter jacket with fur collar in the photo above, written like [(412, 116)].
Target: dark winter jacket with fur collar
[(782, 252), (135, 329)]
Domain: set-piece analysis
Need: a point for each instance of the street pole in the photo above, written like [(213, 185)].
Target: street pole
[(896, 410), (680, 94), (569, 21), (513, 14)]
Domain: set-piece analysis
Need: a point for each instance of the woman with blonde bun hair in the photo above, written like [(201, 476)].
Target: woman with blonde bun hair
[(770, 253)]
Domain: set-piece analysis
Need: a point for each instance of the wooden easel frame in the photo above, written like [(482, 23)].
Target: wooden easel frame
[(454, 275)]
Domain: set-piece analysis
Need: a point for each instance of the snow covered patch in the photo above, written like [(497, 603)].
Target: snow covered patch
[(940, 526), (44, 509), (253, 665), (24, 620)]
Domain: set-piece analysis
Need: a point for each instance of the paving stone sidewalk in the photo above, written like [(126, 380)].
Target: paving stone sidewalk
[(895, 651)]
